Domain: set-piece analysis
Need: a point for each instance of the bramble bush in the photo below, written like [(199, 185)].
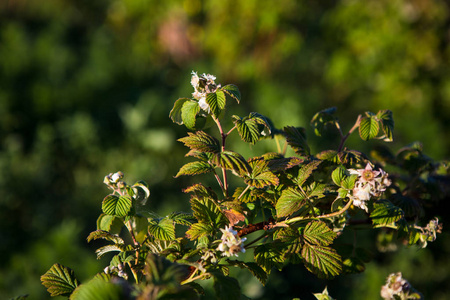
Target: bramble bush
[(287, 210)]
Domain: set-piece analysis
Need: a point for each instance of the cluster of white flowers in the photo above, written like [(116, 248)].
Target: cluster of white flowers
[(395, 286), (231, 243), (113, 178), (369, 184), (120, 273), (203, 85)]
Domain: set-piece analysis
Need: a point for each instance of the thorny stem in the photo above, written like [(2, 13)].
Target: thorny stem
[(344, 138)]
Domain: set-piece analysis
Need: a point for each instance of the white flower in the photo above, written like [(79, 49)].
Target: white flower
[(194, 80), (231, 243), (366, 174), (395, 286), (203, 105)]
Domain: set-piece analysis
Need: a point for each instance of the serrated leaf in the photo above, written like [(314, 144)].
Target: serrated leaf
[(226, 287), (216, 102), (208, 211), (98, 288), (248, 129), (323, 118), (101, 234), (297, 140), (268, 256), (175, 113), (189, 113), (59, 280), (262, 180), (201, 141), (201, 191), (306, 170), (368, 128), (109, 223), (232, 91), (322, 261), (182, 218), (163, 229), (353, 265), (117, 205), (338, 175), (291, 200), (195, 168), (254, 268), (231, 160), (318, 233), (387, 124), (349, 182), (199, 230), (109, 248), (384, 213)]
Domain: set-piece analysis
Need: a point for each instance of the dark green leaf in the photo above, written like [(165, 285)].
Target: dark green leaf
[(322, 261), (353, 265), (59, 281), (306, 170), (216, 102), (189, 113), (368, 128), (323, 118), (175, 113), (387, 124), (163, 229), (117, 205), (232, 91), (97, 288), (268, 256), (201, 141), (297, 140), (318, 233), (231, 160), (101, 234), (385, 213), (195, 168), (290, 201), (226, 288)]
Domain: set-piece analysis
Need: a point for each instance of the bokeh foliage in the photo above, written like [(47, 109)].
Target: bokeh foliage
[(86, 88)]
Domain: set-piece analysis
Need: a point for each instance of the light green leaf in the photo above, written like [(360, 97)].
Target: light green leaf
[(368, 128), (291, 200), (216, 102), (59, 280), (232, 91), (195, 168), (318, 233), (231, 160), (338, 175), (189, 113), (385, 213), (101, 234), (163, 229), (322, 261), (175, 113), (199, 230), (349, 182), (117, 205), (262, 180), (201, 141), (109, 223)]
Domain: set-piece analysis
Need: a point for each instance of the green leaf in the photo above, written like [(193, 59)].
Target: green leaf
[(199, 230), (385, 213), (21, 297), (248, 129), (201, 141), (368, 128), (318, 233), (109, 248), (195, 168), (182, 218), (189, 114), (338, 175), (140, 192), (109, 223), (59, 281), (101, 234), (97, 288), (208, 211), (353, 265), (117, 205), (322, 261), (349, 182), (306, 170), (297, 140), (290, 201), (226, 287), (163, 229), (268, 256), (201, 191), (324, 295), (261, 176), (232, 91), (257, 271), (231, 160), (322, 118), (175, 113), (216, 102), (387, 124)]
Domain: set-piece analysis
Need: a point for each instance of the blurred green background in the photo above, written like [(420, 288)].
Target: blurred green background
[(86, 88)]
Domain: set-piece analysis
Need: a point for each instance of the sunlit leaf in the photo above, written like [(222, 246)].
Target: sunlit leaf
[(175, 113), (387, 124), (232, 91), (109, 248), (384, 213), (216, 102), (199, 230), (189, 113), (195, 168), (116, 205), (163, 229), (101, 234), (59, 280), (318, 233), (201, 141), (322, 261), (306, 170), (290, 201), (368, 128), (268, 256), (231, 160)]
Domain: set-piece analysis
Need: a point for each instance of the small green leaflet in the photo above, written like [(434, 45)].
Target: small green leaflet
[(216, 102), (195, 168), (338, 175), (385, 213), (290, 201), (231, 160), (182, 218), (102, 234), (116, 205), (175, 113), (387, 124), (369, 127), (323, 118), (163, 229), (208, 211), (306, 170), (59, 280), (322, 261), (201, 141), (232, 91), (189, 114), (318, 233)]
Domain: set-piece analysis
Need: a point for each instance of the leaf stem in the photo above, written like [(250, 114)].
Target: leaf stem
[(344, 138), (224, 137)]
